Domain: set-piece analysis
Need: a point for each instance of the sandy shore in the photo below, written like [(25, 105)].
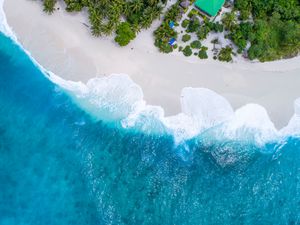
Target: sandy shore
[(62, 44)]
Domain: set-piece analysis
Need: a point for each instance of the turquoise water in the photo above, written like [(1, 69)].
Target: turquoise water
[(60, 166)]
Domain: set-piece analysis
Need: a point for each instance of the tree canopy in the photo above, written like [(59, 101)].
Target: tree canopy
[(260, 29), (106, 15), (124, 34), (275, 30)]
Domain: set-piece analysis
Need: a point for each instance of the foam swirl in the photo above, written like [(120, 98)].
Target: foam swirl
[(117, 98)]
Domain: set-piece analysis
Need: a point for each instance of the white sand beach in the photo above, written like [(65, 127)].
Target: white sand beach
[(64, 45)]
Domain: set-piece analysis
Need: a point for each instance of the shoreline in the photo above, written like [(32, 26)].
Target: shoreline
[(70, 51)]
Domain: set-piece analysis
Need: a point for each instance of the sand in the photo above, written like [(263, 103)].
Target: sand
[(64, 45)]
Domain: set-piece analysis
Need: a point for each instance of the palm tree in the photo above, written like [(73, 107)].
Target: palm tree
[(229, 20), (94, 15), (150, 14), (95, 20), (136, 5), (96, 31), (153, 2), (49, 6), (215, 42), (126, 9)]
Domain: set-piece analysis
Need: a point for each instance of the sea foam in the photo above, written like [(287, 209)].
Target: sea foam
[(293, 127), (117, 98), (4, 27)]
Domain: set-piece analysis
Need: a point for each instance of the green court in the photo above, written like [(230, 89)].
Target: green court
[(210, 7)]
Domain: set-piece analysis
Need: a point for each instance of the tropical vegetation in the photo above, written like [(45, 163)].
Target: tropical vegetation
[(271, 27), (202, 53), (164, 33), (106, 16), (225, 54), (264, 30), (187, 51), (186, 37), (49, 6), (125, 34)]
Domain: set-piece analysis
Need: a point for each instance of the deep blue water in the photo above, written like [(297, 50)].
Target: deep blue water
[(58, 166)]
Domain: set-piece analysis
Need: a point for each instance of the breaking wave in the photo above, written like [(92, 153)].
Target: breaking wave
[(118, 98)]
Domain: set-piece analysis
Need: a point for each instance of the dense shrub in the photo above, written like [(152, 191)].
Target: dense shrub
[(275, 32), (124, 34), (193, 13), (105, 16), (196, 44), (203, 32), (186, 37), (193, 26), (187, 51), (216, 27), (163, 34), (202, 53), (49, 6), (185, 23), (225, 54)]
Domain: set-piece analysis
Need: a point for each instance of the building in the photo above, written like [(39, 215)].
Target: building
[(209, 7), (172, 42), (171, 24), (185, 4)]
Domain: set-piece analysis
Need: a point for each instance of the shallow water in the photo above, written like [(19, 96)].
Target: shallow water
[(60, 165)]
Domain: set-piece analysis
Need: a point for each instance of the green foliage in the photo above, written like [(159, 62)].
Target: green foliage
[(149, 14), (225, 54), (186, 37), (229, 21), (193, 13), (203, 32), (274, 39), (187, 51), (185, 23), (193, 26), (49, 6), (173, 13), (163, 34), (202, 53), (287, 9), (244, 15), (196, 44), (105, 16), (275, 33), (124, 34), (166, 48), (75, 5), (216, 27), (240, 35)]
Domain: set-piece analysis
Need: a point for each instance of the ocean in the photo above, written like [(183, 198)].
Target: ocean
[(73, 153)]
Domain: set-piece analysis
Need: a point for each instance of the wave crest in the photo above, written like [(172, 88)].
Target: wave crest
[(293, 127), (4, 27), (118, 98)]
